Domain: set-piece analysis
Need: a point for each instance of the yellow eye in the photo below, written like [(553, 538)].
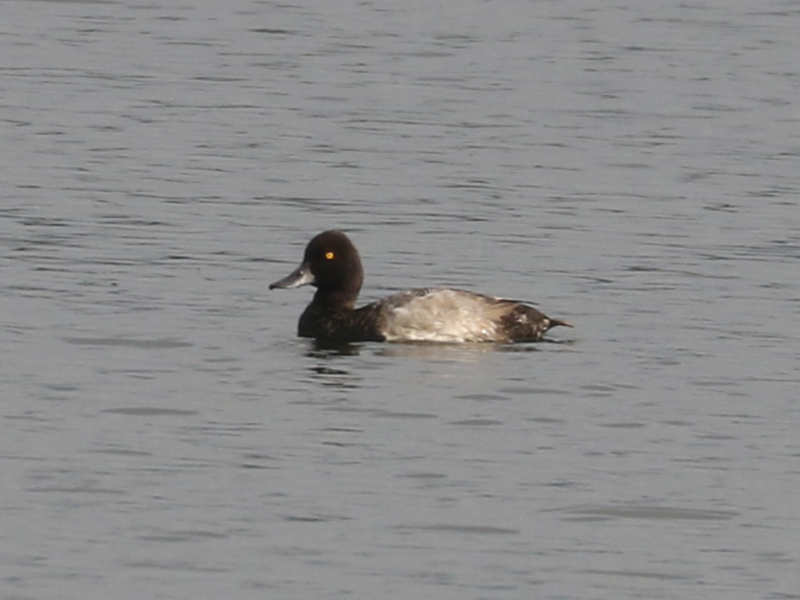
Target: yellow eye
[(329, 255)]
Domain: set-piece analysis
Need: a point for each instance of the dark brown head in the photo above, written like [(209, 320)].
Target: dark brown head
[(331, 263)]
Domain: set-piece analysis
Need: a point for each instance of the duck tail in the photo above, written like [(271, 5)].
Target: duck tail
[(558, 323)]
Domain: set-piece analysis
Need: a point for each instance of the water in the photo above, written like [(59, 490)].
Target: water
[(631, 168)]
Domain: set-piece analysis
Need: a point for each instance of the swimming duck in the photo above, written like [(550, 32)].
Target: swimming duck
[(332, 264)]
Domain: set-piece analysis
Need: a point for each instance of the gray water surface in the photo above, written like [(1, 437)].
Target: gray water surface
[(631, 168)]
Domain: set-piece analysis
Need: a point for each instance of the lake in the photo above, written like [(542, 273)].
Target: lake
[(631, 168)]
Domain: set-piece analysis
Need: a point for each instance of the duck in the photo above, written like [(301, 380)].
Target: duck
[(332, 264)]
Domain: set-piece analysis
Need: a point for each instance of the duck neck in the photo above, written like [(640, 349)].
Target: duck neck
[(341, 299)]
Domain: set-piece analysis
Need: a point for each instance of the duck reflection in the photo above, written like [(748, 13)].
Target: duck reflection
[(326, 371), (330, 349)]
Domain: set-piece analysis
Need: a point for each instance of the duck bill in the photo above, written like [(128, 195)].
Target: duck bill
[(300, 276)]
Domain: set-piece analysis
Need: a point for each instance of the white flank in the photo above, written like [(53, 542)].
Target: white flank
[(443, 315)]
